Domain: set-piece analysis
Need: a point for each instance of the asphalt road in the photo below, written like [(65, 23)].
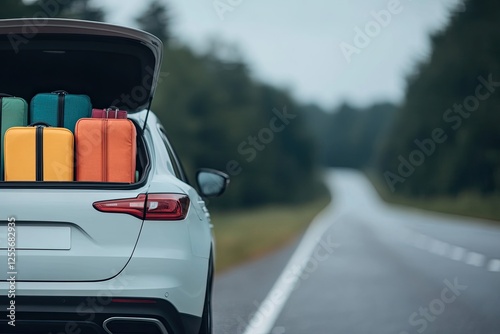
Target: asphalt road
[(366, 267)]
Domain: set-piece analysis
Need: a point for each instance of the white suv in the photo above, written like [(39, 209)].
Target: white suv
[(102, 257)]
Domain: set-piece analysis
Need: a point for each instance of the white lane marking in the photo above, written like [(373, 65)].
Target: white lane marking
[(494, 265), (421, 241), (456, 253), (270, 308), (475, 259), (439, 247)]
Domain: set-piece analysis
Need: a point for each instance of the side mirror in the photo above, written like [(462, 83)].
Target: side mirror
[(211, 182)]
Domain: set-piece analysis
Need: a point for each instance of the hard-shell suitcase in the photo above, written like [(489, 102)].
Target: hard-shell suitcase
[(60, 109), (105, 150), (39, 153), (111, 112), (13, 112)]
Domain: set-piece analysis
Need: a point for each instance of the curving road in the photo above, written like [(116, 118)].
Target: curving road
[(366, 267)]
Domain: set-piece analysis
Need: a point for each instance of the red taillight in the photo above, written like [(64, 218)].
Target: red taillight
[(167, 207), (131, 206), (149, 207)]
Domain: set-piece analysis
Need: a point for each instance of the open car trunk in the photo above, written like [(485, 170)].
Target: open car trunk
[(113, 65), (56, 221)]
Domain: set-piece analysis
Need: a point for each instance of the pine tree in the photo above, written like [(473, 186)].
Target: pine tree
[(468, 158), (156, 20), (15, 9), (83, 10), (72, 9)]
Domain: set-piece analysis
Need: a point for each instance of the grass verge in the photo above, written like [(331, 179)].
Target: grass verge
[(470, 205), (249, 234)]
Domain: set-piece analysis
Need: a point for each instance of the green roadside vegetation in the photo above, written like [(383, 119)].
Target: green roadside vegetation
[(248, 234), (467, 204)]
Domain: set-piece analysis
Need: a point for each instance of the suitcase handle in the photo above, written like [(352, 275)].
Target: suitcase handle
[(60, 92), (112, 108), (40, 124), (5, 95)]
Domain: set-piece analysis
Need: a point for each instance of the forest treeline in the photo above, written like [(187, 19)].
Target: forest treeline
[(444, 138)]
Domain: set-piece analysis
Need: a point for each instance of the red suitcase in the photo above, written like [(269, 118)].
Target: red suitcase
[(111, 112), (105, 150)]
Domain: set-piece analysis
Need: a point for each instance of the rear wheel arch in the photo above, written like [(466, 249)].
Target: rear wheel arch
[(206, 320)]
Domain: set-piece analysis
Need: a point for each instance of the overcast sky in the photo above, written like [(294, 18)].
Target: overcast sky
[(297, 44)]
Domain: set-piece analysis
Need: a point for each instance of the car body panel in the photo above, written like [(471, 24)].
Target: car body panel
[(199, 229), (101, 243)]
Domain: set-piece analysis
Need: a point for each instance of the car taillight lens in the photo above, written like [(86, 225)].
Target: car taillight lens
[(131, 206), (148, 207), (166, 207)]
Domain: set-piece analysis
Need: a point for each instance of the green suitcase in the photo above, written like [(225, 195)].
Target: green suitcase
[(59, 109), (13, 112)]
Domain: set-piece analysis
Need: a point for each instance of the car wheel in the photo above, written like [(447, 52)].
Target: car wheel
[(206, 321)]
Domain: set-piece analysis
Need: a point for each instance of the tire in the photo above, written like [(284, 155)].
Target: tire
[(206, 321)]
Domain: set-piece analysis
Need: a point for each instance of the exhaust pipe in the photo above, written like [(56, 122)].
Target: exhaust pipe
[(115, 325)]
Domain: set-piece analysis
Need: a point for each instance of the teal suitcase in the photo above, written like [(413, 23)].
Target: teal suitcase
[(60, 109), (13, 112)]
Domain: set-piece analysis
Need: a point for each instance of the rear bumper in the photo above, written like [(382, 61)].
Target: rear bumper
[(87, 315), (181, 282)]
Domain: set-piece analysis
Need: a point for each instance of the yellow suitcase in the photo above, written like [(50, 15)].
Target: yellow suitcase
[(39, 153)]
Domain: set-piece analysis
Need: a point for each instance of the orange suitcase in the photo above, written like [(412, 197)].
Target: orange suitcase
[(105, 150), (38, 153)]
